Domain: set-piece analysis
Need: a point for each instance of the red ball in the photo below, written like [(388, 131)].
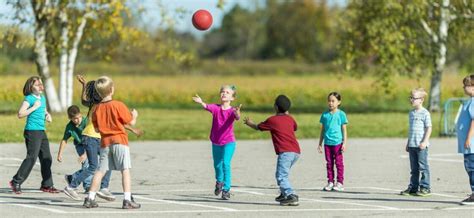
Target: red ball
[(202, 19)]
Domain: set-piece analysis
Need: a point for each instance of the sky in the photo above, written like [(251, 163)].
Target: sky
[(152, 18)]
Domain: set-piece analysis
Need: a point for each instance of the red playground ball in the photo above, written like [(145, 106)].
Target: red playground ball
[(202, 19)]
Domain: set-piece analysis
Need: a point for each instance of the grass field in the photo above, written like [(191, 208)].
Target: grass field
[(164, 124)]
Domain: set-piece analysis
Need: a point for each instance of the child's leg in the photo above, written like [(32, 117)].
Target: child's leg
[(91, 149), (339, 158), (229, 150), (329, 154), (33, 144), (415, 173), (218, 157), (469, 166), (105, 159), (424, 168), (126, 181), (284, 163), (45, 160), (106, 180)]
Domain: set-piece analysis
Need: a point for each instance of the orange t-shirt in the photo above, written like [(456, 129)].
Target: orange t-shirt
[(109, 118)]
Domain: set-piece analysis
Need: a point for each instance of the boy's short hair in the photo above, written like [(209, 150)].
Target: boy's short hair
[(468, 80), (104, 86), (231, 87), (421, 91), (28, 87), (73, 111), (282, 103)]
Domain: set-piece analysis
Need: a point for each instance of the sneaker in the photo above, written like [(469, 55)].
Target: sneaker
[(280, 198), (339, 187), (72, 193), (409, 191), (50, 189), (89, 203), (329, 187), (469, 200), (130, 204), (218, 188), (16, 188), (424, 192), (68, 179), (106, 195), (290, 200), (225, 195)]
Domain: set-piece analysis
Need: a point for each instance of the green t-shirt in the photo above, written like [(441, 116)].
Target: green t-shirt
[(75, 131)]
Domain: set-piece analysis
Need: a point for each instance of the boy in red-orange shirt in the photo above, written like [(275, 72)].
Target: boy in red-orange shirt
[(109, 118)]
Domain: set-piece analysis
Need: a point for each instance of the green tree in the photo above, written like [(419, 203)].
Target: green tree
[(403, 37)]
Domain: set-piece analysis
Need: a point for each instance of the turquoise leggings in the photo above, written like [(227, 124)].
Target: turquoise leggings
[(222, 155)]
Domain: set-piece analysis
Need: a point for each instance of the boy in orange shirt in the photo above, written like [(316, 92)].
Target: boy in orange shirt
[(109, 118)]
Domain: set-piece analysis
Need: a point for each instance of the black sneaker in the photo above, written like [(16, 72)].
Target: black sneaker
[(16, 188), (280, 197), (424, 192), (290, 200), (130, 204), (218, 188), (89, 203), (469, 200), (225, 195), (409, 191)]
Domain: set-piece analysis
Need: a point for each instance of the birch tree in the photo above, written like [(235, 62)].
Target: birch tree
[(404, 37), (59, 27)]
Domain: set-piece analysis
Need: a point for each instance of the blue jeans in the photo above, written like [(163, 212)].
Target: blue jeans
[(284, 163), (469, 166), (92, 148), (419, 165), (86, 184), (222, 156)]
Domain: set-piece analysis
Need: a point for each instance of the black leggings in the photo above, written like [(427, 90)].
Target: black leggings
[(37, 145)]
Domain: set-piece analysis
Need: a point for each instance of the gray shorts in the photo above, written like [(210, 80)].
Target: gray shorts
[(115, 157)]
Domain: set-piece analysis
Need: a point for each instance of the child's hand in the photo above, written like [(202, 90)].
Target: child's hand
[(422, 145), (49, 118), (247, 120), (467, 145), (82, 158), (81, 79), (137, 132), (320, 149), (406, 148), (59, 158), (343, 148), (197, 99), (36, 105)]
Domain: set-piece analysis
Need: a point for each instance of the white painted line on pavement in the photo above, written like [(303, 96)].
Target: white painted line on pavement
[(397, 190), (184, 203), (36, 207)]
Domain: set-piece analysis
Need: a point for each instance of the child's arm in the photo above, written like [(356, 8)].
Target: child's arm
[(134, 117), (82, 158), (198, 100), (467, 143), (60, 152), (25, 111), (250, 123), (136, 131), (84, 100), (426, 137), (237, 112), (49, 118), (344, 134), (320, 146)]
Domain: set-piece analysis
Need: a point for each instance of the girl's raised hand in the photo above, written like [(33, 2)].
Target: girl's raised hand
[(197, 99), (81, 79)]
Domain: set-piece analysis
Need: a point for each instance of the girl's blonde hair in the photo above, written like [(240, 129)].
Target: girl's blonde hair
[(104, 86), (468, 80), (422, 92), (231, 87)]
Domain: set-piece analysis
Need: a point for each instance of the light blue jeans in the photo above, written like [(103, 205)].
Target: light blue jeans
[(419, 165), (222, 155), (284, 163), (469, 166)]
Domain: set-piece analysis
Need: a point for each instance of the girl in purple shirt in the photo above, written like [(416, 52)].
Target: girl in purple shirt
[(222, 137)]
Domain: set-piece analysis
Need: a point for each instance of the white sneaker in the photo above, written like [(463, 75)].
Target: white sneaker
[(329, 186), (72, 193), (339, 187), (106, 195)]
